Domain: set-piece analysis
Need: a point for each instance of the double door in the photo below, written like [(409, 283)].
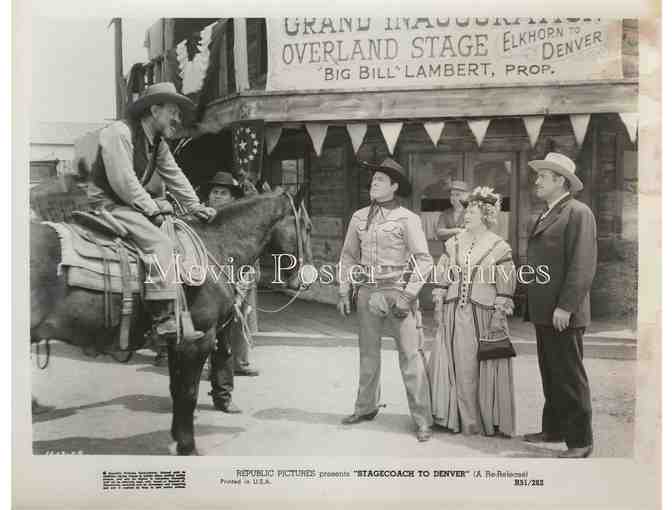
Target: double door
[(431, 175)]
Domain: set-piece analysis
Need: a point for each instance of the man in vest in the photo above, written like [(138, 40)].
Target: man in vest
[(133, 170)]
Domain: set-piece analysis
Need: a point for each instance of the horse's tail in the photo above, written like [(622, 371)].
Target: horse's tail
[(46, 284), (83, 170)]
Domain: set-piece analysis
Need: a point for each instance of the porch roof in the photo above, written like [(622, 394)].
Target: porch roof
[(612, 96)]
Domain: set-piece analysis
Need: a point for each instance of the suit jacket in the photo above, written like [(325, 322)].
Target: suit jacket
[(566, 242)]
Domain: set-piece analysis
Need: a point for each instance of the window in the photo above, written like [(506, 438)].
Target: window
[(40, 170), (291, 174)]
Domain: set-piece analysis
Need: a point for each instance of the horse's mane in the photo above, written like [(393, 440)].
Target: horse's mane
[(237, 208)]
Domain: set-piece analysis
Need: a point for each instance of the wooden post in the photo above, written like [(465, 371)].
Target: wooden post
[(118, 67), (619, 187), (240, 54)]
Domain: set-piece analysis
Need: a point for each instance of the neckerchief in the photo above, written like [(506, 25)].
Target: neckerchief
[(376, 206)]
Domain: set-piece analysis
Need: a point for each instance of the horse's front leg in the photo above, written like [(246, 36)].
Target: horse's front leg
[(185, 365)]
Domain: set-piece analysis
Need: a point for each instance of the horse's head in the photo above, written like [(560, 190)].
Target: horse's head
[(290, 244)]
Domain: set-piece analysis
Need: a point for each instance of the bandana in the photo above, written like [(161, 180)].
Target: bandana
[(378, 206)]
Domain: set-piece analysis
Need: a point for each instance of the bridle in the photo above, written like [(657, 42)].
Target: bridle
[(301, 240), (300, 213)]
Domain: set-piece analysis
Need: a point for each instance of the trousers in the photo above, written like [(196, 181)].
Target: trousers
[(221, 366), (411, 362), (567, 407), (161, 282)]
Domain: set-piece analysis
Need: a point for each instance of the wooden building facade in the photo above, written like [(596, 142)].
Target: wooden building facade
[(234, 90)]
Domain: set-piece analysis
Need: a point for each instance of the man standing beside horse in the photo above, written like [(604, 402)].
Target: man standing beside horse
[(231, 355), (132, 171), (381, 239)]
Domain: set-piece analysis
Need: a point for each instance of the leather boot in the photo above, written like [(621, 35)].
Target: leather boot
[(165, 325)]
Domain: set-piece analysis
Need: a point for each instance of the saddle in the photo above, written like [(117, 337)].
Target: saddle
[(94, 256), (97, 255)]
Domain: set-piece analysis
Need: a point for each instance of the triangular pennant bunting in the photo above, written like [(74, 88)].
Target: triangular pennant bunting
[(580, 126), (317, 132), (357, 133), (479, 128), (434, 130), (391, 132), (533, 125), (631, 121), (272, 138)]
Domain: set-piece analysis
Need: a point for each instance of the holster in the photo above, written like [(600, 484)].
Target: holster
[(354, 293)]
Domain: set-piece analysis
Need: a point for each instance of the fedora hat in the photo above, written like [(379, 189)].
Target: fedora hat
[(226, 180), (459, 186), (394, 171), (560, 164), (161, 93)]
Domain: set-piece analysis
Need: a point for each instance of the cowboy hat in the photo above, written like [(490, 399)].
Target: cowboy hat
[(161, 93), (226, 180), (560, 164), (394, 171)]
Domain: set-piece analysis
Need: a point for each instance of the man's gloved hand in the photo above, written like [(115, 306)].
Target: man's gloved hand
[(402, 306), (344, 305), (165, 207), (205, 214), (157, 219)]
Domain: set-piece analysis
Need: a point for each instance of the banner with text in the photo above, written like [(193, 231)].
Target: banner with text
[(364, 53)]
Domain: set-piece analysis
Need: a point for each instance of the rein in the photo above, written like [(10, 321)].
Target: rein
[(299, 213), (204, 253)]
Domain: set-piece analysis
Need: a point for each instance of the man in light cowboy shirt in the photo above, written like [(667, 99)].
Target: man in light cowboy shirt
[(380, 240), (132, 171)]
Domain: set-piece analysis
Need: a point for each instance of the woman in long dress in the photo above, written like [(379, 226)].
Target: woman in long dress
[(477, 281)]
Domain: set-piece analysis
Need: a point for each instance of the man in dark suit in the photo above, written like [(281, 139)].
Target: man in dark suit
[(564, 239)]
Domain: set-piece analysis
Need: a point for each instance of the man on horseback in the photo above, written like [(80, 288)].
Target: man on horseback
[(130, 176)]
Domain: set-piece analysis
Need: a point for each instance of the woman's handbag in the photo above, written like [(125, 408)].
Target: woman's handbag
[(496, 343)]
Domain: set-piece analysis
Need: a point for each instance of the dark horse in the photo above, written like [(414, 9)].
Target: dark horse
[(240, 232)]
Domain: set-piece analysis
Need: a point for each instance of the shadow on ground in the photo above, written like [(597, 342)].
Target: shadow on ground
[(402, 424), (138, 402), (151, 443), (60, 349)]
